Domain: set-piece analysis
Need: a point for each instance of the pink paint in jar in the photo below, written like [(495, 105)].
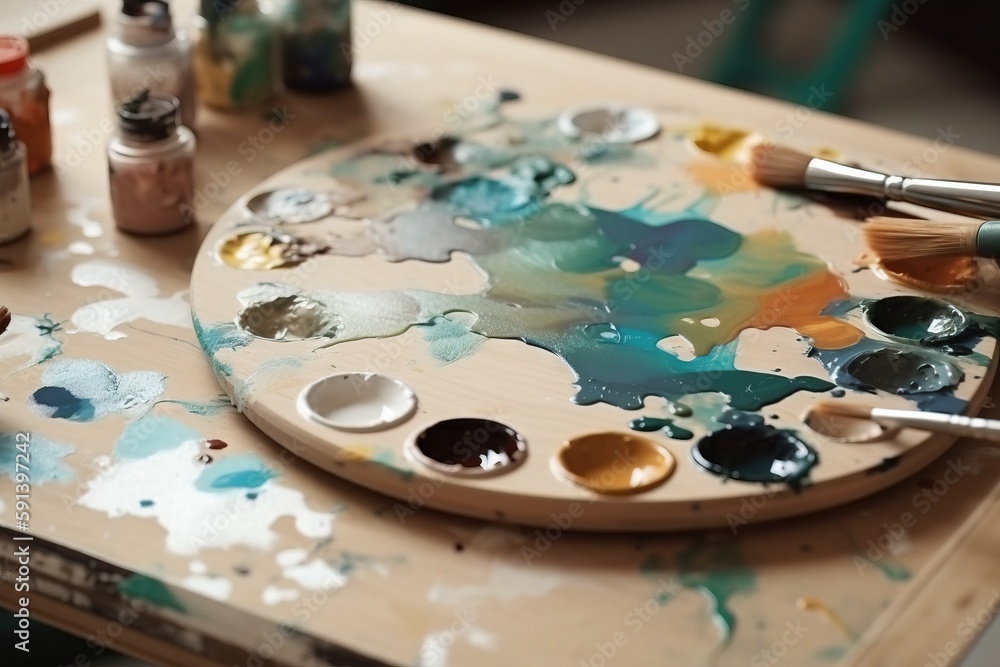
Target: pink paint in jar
[(151, 166)]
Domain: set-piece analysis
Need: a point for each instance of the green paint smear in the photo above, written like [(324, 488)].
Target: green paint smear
[(220, 336), (40, 457), (833, 653), (46, 329), (152, 591), (243, 471), (715, 571), (672, 430), (449, 340)]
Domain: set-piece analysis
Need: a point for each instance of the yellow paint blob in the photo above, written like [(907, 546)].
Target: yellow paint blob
[(258, 251), (614, 463), (718, 140)]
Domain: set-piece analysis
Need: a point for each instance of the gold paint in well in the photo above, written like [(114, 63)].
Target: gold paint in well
[(260, 251), (614, 463)]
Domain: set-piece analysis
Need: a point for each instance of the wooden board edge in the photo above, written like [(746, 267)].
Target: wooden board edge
[(963, 576)]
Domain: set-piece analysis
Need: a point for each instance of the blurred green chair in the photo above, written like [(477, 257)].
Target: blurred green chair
[(746, 64)]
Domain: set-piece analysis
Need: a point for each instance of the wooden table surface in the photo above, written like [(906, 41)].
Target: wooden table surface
[(316, 571)]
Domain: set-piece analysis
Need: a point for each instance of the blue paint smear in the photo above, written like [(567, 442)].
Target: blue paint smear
[(63, 404), (244, 471), (151, 434), (146, 503), (44, 458), (220, 336)]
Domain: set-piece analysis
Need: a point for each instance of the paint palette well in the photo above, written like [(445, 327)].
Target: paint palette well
[(512, 322)]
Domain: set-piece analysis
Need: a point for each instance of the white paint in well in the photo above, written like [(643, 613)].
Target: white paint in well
[(274, 595), (357, 401), (610, 123)]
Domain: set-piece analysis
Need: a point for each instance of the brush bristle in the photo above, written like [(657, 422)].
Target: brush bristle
[(4, 318), (903, 238), (841, 409), (779, 166)]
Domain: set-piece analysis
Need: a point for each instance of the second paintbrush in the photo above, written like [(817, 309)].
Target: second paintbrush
[(782, 167)]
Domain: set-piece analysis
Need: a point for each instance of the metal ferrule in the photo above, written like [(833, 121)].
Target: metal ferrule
[(960, 425), (976, 199)]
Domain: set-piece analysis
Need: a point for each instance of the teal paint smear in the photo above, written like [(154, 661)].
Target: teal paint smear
[(667, 426), (701, 208), (63, 404), (449, 340), (386, 459), (44, 458), (244, 471), (146, 503), (832, 653), (47, 329), (220, 336), (204, 408), (152, 434), (717, 572), (150, 590)]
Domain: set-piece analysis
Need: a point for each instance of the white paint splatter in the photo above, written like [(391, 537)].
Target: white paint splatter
[(80, 248), (290, 557), (141, 300), (197, 567), (267, 373), (273, 595), (315, 574), (106, 391), (79, 216), (217, 588), (195, 520), (30, 338), (505, 583)]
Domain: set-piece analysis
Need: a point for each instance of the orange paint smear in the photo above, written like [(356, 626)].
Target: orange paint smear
[(796, 305), (722, 178), (938, 274)]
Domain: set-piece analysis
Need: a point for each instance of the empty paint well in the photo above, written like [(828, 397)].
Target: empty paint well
[(845, 428), (468, 447), (257, 250), (916, 319), (614, 463), (609, 123), (357, 401), (287, 318), (290, 205)]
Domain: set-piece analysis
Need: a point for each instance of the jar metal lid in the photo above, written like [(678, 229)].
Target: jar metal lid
[(148, 116)]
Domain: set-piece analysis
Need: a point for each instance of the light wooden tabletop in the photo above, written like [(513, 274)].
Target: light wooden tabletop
[(314, 571)]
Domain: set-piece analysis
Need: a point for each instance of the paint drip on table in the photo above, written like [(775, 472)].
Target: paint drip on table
[(603, 289)]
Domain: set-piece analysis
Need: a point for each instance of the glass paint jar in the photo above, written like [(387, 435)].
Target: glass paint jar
[(146, 52), (15, 195), (234, 54), (315, 42), (24, 95), (151, 167)]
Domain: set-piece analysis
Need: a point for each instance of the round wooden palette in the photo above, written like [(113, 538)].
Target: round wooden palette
[(366, 308)]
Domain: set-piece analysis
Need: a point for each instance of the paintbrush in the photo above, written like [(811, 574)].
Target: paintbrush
[(935, 422), (4, 318), (903, 238), (782, 167)]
